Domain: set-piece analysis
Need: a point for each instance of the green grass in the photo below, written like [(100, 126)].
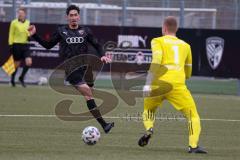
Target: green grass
[(196, 85), (49, 138), (213, 86)]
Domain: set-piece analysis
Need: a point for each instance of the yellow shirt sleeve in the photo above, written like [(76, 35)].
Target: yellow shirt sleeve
[(11, 33), (156, 55), (188, 64)]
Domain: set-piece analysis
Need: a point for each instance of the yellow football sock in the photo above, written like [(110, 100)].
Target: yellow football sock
[(194, 125)]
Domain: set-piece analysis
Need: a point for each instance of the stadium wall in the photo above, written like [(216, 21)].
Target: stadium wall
[(215, 52)]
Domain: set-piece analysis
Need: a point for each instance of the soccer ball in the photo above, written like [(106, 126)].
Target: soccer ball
[(90, 135), (42, 81)]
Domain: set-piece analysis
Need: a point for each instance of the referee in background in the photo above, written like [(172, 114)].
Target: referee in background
[(18, 43)]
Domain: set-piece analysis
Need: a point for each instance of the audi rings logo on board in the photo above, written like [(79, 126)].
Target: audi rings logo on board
[(72, 40)]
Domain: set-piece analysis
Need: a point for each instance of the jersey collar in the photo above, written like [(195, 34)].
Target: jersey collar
[(170, 36), (21, 21), (79, 27)]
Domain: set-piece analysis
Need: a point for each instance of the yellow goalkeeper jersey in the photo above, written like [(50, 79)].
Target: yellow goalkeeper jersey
[(18, 32), (175, 55)]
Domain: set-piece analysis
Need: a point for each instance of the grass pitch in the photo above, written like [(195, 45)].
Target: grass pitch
[(30, 130)]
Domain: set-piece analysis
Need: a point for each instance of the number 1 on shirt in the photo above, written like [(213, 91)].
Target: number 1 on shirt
[(176, 54)]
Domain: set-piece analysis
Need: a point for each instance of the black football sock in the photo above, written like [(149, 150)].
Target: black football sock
[(95, 112), (24, 71), (13, 76)]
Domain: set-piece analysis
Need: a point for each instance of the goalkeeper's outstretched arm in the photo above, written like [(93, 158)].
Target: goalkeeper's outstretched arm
[(188, 64)]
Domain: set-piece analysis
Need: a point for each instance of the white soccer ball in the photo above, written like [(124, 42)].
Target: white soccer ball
[(42, 81), (91, 135)]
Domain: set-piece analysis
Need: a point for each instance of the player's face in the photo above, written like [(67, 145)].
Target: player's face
[(73, 18), (21, 15)]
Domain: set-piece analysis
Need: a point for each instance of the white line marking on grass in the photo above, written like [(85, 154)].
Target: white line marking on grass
[(26, 115), (158, 118), (118, 117)]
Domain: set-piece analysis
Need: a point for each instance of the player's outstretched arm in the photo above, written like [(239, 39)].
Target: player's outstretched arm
[(11, 33), (55, 38), (10, 37), (156, 56), (32, 30), (94, 42), (188, 64)]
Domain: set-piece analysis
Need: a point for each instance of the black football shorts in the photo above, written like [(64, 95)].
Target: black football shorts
[(81, 75), (20, 51)]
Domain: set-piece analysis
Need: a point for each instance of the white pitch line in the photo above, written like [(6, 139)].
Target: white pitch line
[(124, 117), (158, 118), (22, 115)]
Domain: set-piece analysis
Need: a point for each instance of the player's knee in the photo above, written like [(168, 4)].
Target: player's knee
[(194, 114), (86, 91), (17, 64), (148, 115), (195, 119), (88, 98), (28, 62)]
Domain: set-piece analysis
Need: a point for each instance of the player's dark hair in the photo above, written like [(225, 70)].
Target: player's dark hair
[(72, 7), (171, 23)]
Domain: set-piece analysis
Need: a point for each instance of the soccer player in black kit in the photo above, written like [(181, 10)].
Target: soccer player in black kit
[(73, 41)]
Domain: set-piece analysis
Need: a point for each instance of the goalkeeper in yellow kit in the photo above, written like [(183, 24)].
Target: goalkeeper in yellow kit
[(173, 55)]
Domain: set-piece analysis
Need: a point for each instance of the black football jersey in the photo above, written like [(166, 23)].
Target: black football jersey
[(72, 42)]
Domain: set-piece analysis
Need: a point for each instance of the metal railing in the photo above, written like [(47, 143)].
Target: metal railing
[(217, 14)]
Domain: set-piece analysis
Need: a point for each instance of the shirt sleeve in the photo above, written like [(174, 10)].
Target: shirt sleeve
[(94, 42), (54, 39), (156, 55), (188, 64), (11, 34)]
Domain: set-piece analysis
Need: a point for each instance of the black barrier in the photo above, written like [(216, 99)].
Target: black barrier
[(215, 52)]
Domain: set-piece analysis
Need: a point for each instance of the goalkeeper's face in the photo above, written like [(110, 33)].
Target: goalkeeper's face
[(73, 18)]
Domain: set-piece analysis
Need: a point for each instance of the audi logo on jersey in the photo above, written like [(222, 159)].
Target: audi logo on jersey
[(72, 40)]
